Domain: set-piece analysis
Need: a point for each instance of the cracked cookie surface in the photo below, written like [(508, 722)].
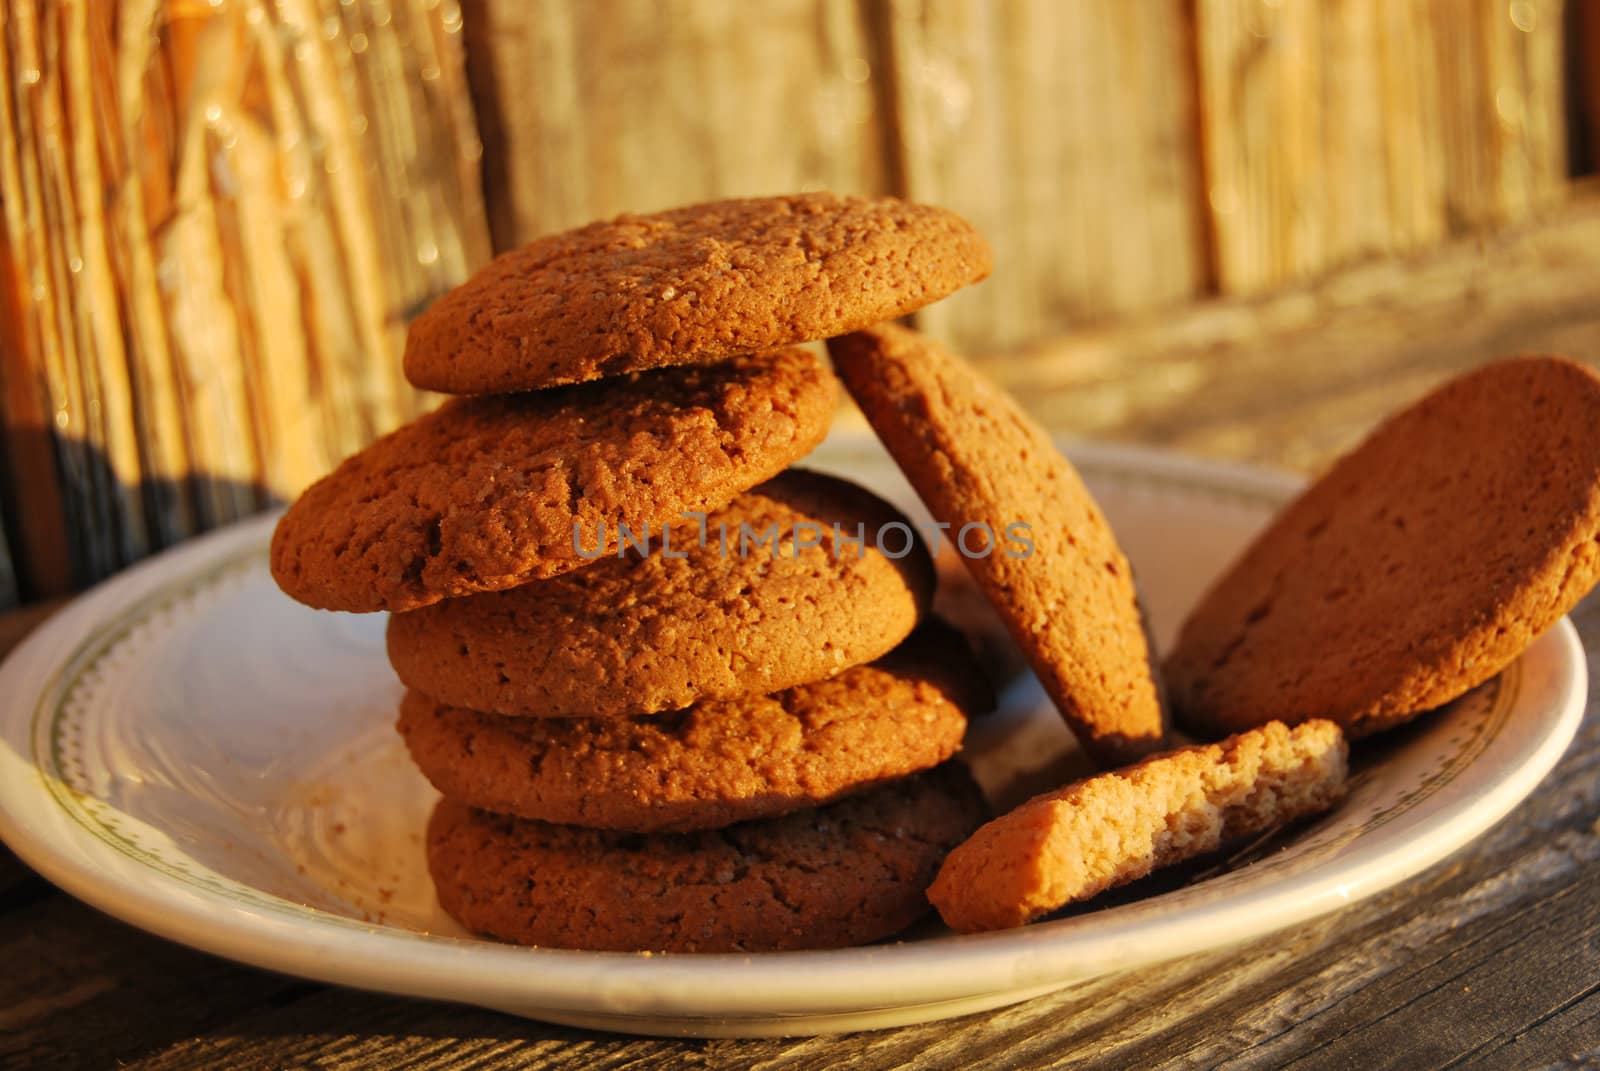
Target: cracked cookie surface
[(974, 457), (1113, 828), (715, 763), (689, 285), (484, 494), (845, 874), (647, 632)]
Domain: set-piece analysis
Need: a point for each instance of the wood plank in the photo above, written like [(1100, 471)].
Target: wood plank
[(335, 1028), (81, 990), (1397, 1022), (1066, 133), (1334, 132), (1294, 377), (1569, 1037), (589, 109)]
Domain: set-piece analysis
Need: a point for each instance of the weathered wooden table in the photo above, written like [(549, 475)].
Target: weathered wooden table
[(1490, 959)]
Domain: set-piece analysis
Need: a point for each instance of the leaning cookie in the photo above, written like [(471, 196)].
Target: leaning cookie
[(715, 763), (690, 285), (488, 493), (1028, 529), (961, 602), (1417, 568), (852, 872), (795, 581), (1113, 828)]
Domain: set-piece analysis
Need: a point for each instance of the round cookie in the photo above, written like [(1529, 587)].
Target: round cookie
[(488, 493), (688, 620), (1078, 841), (688, 286), (1062, 585), (852, 872), (715, 763), (1419, 566)]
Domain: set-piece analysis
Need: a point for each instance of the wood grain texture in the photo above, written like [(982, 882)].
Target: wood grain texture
[(1339, 131), (1294, 377), (595, 107), (216, 221), (1119, 157), (1066, 132), (1079, 115)]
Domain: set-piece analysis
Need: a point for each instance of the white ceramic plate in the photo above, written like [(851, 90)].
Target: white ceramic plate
[(190, 751)]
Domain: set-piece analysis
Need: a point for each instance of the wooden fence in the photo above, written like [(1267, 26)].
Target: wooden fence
[(218, 217)]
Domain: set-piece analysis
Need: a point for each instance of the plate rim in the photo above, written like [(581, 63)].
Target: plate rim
[(723, 986)]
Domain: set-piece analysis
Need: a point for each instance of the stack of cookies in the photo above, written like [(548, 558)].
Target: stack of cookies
[(675, 694)]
